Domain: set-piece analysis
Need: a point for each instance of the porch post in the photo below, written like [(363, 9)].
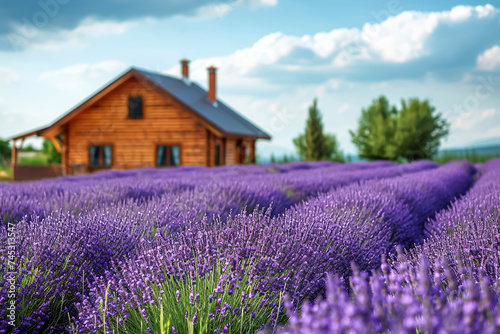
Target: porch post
[(13, 158), (252, 152), (65, 164)]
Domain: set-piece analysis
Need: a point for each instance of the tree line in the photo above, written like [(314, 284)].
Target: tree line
[(411, 132)]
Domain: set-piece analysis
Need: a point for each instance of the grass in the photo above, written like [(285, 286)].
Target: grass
[(8, 170), (38, 160)]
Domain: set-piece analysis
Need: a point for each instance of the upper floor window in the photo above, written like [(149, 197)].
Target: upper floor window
[(134, 107), (168, 156)]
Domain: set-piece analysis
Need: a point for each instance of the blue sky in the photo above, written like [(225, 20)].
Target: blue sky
[(274, 57)]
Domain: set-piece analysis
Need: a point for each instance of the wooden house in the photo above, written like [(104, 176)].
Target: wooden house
[(146, 119)]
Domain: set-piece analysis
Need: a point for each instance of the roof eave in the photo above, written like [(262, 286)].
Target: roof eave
[(37, 132)]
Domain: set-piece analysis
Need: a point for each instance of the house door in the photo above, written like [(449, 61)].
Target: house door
[(241, 152), (217, 155)]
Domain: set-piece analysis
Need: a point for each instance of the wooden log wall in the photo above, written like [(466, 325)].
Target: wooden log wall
[(165, 122)]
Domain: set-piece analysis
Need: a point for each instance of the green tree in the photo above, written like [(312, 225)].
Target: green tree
[(29, 148), (332, 149), (49, 150), (273, 159), (419, 130), (4, 150), (375, 131), (386, 133), (313, 144)]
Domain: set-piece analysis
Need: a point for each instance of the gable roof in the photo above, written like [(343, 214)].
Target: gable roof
[(190, 94), (195, 97)]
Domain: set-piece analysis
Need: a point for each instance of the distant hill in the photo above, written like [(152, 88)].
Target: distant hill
[(487, 142), (481, 147)]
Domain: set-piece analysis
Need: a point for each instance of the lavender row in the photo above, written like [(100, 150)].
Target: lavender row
[(211, 191), (470, 228), (410, 298), (77, 225), (292, 253), (458, 294)]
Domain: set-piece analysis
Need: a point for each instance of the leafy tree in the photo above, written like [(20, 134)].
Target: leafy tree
[(332, 149), (273, 159), (375, 131), (48, 148), (386, 133), (314, 145), (4, 150), (418, 130)]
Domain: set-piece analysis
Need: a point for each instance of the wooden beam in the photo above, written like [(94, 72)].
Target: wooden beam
[(56, 143), (28, 134), (65, 157), (13, 158)]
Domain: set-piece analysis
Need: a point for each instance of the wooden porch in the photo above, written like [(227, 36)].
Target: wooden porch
[(30, 172)]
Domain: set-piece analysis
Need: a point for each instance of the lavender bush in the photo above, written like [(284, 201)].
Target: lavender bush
[(292, 252), (107, 252), (458, 293), (470, 228), (407, 298)]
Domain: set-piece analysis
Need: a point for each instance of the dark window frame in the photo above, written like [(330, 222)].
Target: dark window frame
[(101, 164), (168, 154), (134, 114)]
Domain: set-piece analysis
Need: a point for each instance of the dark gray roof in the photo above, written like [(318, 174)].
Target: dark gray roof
[(195, 97)]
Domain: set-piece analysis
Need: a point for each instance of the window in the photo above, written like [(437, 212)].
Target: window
[(101, 155), (94, 155), (106, 155), (134, 107), (217, 154), (168, 155), (175, 156)]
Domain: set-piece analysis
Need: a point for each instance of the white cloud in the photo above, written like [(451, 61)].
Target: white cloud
[(33, 38), (343, 108), (489, 60), (470, 119), (75, 76), (488, 113), (327, 87), (399, 39), (495, 132), (222, 9), (8, 76)]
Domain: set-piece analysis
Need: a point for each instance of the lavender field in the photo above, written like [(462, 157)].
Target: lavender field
[(296, 248)]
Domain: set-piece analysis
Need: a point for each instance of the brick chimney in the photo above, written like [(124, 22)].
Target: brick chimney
[(185, 68), (211, 83)]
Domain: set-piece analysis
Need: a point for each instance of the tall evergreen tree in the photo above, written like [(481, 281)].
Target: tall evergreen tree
[(313, 144), (314, 134)]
